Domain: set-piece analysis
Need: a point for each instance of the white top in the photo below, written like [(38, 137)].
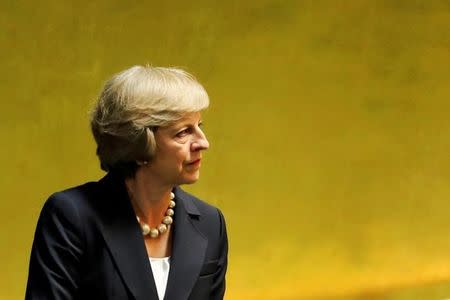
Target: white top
[(160, 268)]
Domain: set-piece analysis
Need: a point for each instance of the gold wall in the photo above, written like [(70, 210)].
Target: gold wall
[(329, 124)]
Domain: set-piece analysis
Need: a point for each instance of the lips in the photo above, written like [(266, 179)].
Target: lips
[(194, 162)]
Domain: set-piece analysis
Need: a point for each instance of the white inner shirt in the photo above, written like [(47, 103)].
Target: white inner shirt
[(160, 268)]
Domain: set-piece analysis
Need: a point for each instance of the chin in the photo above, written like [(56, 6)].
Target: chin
[(189, 179)]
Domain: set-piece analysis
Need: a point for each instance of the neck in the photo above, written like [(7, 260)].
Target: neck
[(149, 200)]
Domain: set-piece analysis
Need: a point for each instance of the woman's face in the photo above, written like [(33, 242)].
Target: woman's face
[(179, 149)]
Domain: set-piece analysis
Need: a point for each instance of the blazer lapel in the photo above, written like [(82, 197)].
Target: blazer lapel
[(124, 238), (189, 247)]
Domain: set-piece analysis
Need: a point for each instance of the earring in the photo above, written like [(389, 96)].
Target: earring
[(141, 163)]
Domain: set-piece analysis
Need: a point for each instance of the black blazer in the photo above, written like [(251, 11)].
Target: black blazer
[(88, 245)]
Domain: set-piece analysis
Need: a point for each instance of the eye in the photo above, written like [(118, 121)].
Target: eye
[(183, 132)]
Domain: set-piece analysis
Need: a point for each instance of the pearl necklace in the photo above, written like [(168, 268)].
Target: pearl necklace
[(166, 221)]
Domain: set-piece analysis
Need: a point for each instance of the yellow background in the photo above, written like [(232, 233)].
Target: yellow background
[(329, 124)]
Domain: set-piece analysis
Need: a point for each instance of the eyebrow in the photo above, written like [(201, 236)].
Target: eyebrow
[(184, 124)]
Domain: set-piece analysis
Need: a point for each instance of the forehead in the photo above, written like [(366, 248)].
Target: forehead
[(186, 119)]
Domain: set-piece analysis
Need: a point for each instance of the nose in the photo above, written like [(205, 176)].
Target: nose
[(200, 143)]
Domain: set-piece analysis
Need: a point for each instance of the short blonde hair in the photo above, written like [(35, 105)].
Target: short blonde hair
[(132, 105)]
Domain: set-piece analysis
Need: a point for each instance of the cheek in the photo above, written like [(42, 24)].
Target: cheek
[(178, 157), (173, 156)]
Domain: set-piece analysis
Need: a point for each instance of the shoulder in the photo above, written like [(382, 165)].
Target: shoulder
[(69, 204), (71, 197), (196, 206), (209, 218)]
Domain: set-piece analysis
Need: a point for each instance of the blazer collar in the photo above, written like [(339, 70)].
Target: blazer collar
[(124, 239), (188, 248)]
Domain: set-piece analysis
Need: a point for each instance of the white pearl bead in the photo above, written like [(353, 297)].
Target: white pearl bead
[(167, 220), (170, 212), (162, 228), (145, 229), (154, 232), (172, 195), (172, 204)]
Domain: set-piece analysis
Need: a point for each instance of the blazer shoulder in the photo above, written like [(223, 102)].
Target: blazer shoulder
[(209, 217), (197, 206), (68, 199), (80, 191)]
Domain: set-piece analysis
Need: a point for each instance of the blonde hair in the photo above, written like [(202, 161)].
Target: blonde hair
[(132, 105)]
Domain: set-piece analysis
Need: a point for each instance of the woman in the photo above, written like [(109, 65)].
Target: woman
[(135, 234)]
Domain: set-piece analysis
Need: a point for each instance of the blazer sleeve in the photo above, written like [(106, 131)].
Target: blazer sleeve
[(55, 262), (218, 287)]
